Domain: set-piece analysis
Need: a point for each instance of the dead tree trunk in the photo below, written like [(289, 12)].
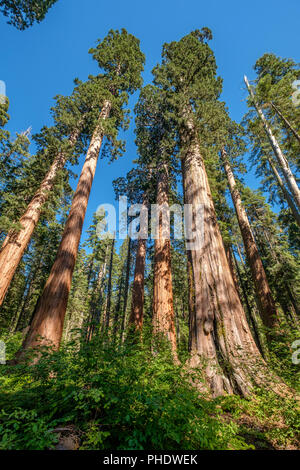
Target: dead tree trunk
[(286, 122), (285, 192), (16, 242), (163, 309), (262, 289), (47, 324), (282, 161)]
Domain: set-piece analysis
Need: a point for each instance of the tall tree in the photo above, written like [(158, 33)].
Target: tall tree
[(120, 58), (57, 149), (219, 325), (263, 292), (155, 144)]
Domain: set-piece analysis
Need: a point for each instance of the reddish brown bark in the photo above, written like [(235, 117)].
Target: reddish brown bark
[(285, 192), (262, 289), (47, 324), (163, 309), (135, 321), (219, 329), (16, 242)]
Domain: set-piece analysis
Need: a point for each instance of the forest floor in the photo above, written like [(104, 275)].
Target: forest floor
[(106, 397)]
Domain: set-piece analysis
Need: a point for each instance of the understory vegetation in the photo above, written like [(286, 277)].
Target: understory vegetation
[(127, 398)]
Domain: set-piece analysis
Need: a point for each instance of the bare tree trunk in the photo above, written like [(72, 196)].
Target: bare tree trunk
[(16, 242), (163, 309), (48, 321), (286, 122), (285, 192), (287, 172), (260, 341), (220, 328), (262, 289), (135, 322)]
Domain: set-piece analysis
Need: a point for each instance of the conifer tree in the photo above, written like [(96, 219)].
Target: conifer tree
[(155, 144), (263, 292), (219, 325), (119, 56)]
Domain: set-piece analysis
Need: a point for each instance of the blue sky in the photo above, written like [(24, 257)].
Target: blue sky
[(42, 61)]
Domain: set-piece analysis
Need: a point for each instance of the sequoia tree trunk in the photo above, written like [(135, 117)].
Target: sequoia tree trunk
[(16, 242), (135, 322), (163, 309), (262, 289), (47, 324), (287, 172), (220, 329)]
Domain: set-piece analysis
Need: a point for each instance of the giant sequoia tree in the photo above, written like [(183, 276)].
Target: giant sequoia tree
[(119, 56), (218, 327), (57, 145), (156, 146)]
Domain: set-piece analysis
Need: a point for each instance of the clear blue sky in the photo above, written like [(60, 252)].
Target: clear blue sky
[(42, 61)]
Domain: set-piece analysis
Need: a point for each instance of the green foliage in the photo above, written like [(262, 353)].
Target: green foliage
[(268, 421), (23, 13), (118, 398)]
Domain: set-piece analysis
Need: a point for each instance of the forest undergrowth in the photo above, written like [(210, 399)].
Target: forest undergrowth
[(108, 396)]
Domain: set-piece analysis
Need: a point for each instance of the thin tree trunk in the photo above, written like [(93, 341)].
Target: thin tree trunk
[(109, 285), (285, 192), (137, 303), (229, 257), (252, 317), (287, 123), (126, 288), (118, 305), (32, 276), (290, 179), (49, 317), (16, 242), (163, 309), (96, 314), (262, 289)]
